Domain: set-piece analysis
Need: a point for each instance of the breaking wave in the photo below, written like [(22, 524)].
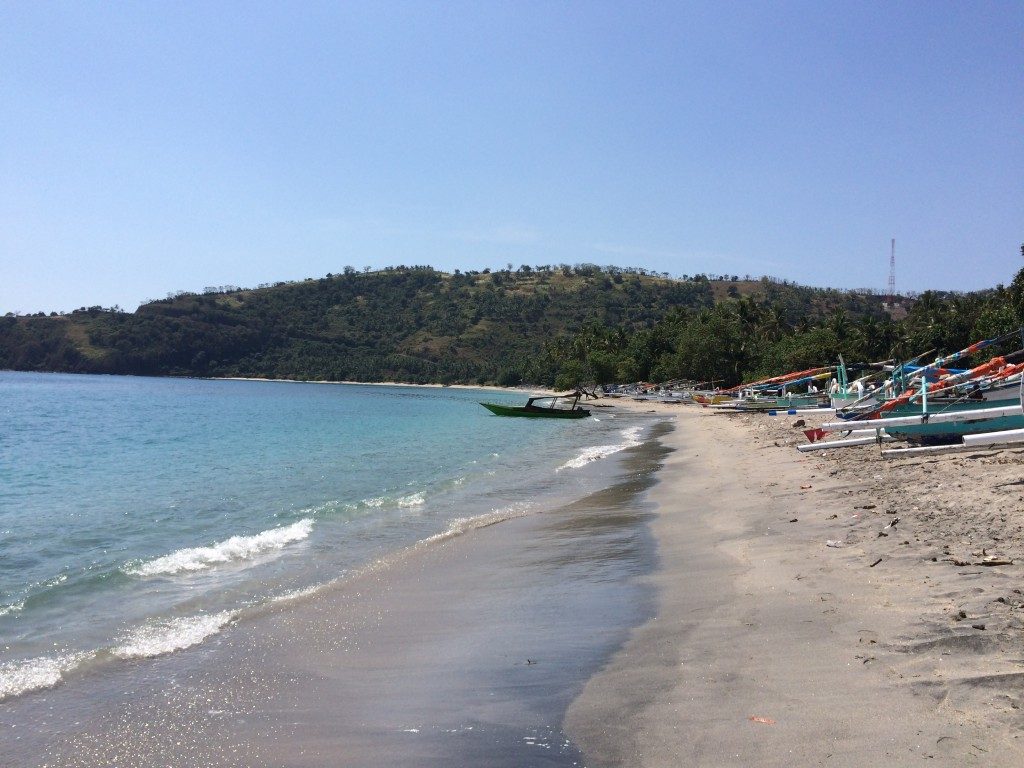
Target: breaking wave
[(377, 502), (298, 594), (11, 607), (18, 677), (169, 635), (631, 439), (32, 592), (462, 525), (235, 548)]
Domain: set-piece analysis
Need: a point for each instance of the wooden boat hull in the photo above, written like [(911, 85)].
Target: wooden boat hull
[(935, 405), (950, 432), (1002, 393), (712, 399), (534, 412), (938, 405), (779, 403)]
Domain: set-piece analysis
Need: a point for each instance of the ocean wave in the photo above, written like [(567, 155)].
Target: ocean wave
[(235, 548), (378, 502), (31, 592), (18, 677), (160, 637), (631, 439), (11, 607), (296, 594), (412, 500), (463, 525)]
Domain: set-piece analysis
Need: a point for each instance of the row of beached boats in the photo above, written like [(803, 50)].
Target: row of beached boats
[(933, 407), (939, 408)]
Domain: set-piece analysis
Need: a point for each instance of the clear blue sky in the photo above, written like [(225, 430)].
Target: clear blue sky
[(157, 146)]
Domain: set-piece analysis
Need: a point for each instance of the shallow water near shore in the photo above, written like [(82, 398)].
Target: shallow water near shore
[(152, 519)]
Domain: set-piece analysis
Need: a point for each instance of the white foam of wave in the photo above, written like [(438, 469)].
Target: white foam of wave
[(379, 502), (18, 677), (296, 594), (461, 525), (31, 590), (11, 607), (169, 635), (235, 548), (630, 439), (412, 500), (456, 527)]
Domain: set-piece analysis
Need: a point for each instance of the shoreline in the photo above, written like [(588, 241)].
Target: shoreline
[(483, 387), (522, 389)]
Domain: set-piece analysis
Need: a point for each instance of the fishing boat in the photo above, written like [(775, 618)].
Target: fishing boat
[(923, 389), (765, 403), (957, 419), (942, 406), (951, 432), (772, 394), (550, 410), (941, 427), (711, 398)]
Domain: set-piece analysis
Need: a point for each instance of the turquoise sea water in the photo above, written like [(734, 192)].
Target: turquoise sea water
[(142, 516)]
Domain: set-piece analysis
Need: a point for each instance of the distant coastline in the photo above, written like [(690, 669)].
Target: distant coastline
[(483, 387)]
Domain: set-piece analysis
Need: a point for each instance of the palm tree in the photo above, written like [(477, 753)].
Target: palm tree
[(749, 313), (773, 324), (866, 336), (839, 324)]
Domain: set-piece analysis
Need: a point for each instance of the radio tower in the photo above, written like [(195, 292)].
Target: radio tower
[(892, 272)]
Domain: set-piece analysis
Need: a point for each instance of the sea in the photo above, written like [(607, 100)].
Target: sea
[(143, 516)]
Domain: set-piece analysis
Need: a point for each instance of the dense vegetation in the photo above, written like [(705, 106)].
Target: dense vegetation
[(543, 325)]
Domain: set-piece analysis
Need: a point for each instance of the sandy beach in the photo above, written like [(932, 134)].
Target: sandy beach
[(771, 647), (693, 613)]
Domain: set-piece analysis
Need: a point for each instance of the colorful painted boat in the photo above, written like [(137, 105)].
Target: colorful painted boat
[(952, 432), (712, 399), (956, 420), (766, 404)]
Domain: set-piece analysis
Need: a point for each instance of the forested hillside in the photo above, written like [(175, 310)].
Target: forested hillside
[(542, 325)]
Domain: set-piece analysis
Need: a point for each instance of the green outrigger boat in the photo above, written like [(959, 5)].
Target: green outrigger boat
[(951, 432), (532, 410)]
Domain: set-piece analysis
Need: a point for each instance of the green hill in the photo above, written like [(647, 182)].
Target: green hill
[(409, 324), (416, 324)]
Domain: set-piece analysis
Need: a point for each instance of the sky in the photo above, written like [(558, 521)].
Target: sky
[(148, 148)]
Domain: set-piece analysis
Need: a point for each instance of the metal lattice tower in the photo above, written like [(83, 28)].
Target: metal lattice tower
[(892, 271)]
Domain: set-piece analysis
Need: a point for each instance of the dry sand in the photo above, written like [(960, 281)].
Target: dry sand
[(772, 648)]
